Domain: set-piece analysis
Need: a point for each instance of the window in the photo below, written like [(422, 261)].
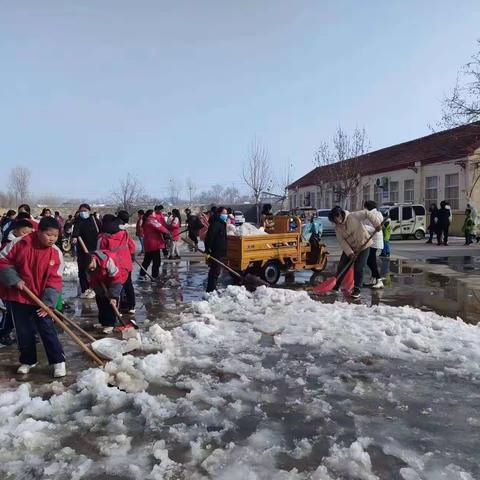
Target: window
[(312, 199), (431, 191), (393, 213), (366, 193), (451, 190), (419, 210), (394, 191), (306, 200), (408, 191), (377, 195), (407, 213)]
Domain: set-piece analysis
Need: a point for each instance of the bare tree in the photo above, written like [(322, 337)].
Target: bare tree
[(129, 193), (257, 172), (231, 195), (18, 184), (343, 159), (191, 189), (174, 190), (462, 106)]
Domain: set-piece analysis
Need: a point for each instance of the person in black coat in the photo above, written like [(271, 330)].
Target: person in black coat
[(216, 245), (86, 227), (443, 223), (432, 227)]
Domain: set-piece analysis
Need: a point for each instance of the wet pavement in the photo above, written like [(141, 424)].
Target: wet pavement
[(448, 285)]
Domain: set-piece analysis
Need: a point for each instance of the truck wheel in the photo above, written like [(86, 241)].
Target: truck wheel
[(419, 235), (271, 272)]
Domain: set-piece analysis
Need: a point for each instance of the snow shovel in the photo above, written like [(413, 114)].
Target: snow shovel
[(248, 279), (64, 327), (329, 284)]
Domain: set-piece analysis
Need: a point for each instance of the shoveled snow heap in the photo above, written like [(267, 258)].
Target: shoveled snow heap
[(269, 385)]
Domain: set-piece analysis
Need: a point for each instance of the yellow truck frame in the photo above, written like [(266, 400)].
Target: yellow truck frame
[(271, 254)]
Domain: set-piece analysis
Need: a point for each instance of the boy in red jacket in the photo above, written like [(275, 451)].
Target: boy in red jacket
[(105, 269), (34, 261)]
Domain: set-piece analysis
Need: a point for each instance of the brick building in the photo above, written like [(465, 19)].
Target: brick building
[(441, 166)]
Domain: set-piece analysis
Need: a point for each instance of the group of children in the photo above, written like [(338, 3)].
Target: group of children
[(30, 258)]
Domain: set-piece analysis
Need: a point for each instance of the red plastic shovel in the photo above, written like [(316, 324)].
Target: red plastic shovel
[(329, 284)]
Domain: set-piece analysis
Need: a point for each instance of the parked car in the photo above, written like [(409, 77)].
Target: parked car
[(239, 218), (328, 226), (407, 220)]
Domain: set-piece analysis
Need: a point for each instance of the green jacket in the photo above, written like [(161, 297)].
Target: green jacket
[(387, 231), (468, 225)]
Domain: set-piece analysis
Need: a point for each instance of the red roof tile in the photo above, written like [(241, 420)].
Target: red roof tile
[(450, 144)]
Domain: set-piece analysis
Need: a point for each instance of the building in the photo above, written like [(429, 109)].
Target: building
[(441, 166)]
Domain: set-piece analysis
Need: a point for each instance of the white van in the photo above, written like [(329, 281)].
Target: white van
[(407, 219)]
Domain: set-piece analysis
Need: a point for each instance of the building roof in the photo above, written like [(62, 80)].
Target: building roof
[(442, 146)]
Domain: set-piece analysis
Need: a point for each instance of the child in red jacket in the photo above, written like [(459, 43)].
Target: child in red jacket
[(106, 275), (34, 261), (115, 238), (175, 226)]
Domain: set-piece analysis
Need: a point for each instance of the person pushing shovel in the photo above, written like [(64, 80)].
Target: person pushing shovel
[(355, 242), (34, 262)]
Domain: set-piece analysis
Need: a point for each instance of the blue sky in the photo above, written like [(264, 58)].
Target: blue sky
[(91, 90)]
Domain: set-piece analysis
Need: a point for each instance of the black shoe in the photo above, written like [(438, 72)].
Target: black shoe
[(355, 293), (428, 241)]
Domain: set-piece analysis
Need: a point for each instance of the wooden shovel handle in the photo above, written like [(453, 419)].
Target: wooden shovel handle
[(62, 325)]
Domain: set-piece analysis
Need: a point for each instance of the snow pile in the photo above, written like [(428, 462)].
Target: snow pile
[(245, 230), (339, 392)]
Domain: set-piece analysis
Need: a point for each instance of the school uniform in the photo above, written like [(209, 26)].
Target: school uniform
[(175, 227), (121, 243), (110, 273), (41, 269), (153, 229)]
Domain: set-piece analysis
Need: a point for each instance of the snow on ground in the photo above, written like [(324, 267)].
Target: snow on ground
[(70, 271), (269, 385)]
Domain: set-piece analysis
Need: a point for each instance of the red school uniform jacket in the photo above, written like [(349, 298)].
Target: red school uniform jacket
[(110, 273), (175, 227), (119, 243), (39, 267), (153, 230)]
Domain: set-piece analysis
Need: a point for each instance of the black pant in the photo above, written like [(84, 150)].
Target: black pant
[(106, 314), (468, 238), (27, 322), (128, 293), (82, 274), (432, 231), (6, 323), (193, 236), (213, 273), (149, 258), (442, 234), (358, 267), (372, 263)]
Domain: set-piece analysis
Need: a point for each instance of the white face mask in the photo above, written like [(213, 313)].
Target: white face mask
[(84, 215)]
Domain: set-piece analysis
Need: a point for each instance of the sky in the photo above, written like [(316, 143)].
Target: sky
[(92, 90)]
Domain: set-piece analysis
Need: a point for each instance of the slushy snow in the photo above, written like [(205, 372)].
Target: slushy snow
[(265, 385)]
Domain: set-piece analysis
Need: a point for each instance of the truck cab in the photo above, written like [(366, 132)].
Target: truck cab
[(407, 219)]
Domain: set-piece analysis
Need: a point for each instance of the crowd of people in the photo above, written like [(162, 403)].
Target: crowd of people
[(31, 259)]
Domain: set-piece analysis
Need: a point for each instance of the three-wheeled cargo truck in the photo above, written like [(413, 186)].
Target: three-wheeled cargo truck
[(281, 251)]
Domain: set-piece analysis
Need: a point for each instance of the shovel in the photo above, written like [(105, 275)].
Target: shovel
[(63, 326), (329, 284), (248, 279), (115, 309)]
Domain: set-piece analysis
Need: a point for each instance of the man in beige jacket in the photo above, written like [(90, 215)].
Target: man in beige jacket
[(354, 240)]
